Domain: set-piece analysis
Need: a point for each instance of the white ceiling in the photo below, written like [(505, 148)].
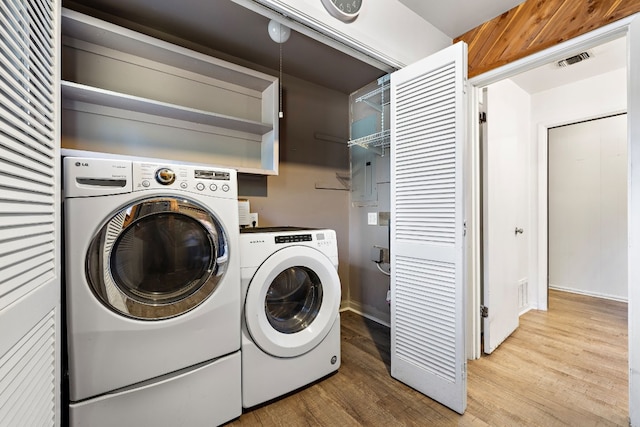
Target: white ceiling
[(456, 17), (239, 35), (606, 57)]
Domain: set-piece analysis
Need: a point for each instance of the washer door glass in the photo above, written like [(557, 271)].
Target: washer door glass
[(157, 258), (293, 299)]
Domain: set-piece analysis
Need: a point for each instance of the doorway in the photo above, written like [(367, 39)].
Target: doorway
[(601, 95), (546, 104)]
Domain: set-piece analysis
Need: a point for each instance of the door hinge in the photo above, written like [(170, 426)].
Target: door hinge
[(484, 311), (483, 117)]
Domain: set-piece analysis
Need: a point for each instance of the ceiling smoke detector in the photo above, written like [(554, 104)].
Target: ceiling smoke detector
[(574, 59)]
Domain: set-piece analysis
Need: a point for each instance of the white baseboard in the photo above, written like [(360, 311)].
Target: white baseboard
[(589, 294), (524, 310), (369, 313)]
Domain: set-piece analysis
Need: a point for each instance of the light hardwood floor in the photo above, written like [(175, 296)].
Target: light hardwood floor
[(567, 366)]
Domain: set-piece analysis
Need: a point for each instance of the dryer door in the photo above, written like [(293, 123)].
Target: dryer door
[(157, 258), (292, 301)]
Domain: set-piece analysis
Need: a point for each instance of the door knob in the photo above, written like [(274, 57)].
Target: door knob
[(519, 231)]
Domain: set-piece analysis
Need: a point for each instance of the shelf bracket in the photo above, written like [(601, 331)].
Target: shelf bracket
[(376, 107)]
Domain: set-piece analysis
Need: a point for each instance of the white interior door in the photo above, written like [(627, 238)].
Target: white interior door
[(503, 228), (428, 110), (30, 318)]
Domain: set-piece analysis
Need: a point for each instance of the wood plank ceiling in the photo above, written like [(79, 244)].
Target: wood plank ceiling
[(536, 25)]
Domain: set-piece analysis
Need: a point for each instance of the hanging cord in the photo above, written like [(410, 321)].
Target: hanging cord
[(279, 33)]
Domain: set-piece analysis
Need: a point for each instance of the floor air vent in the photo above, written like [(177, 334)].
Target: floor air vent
[(574, 59)]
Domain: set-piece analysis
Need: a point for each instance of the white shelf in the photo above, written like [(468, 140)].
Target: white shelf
[(92, 30), (376, 140), (91, 95), (128, 93)]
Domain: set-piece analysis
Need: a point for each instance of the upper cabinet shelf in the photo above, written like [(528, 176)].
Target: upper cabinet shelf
[(92, 30), (128, 93), (73, 92)]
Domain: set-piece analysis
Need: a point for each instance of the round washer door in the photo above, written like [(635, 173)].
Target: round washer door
[(292, 301), (157, 258)]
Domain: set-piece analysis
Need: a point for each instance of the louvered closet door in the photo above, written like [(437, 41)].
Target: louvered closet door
[(29, 214), (427, 238)]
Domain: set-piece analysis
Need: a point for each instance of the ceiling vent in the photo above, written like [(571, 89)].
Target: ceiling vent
[(574, 59)]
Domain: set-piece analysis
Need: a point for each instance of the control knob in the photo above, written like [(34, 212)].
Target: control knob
[(165, 176)]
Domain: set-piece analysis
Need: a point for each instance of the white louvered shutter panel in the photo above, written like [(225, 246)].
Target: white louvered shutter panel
[(29, 214), (428, 107)]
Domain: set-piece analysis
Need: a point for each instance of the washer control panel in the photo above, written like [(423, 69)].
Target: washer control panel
[(320, 238), (293, 238), (97, 176), (260, 243), (196, 179)]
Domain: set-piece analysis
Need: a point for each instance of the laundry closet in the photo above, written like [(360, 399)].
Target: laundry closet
[(307, 155)]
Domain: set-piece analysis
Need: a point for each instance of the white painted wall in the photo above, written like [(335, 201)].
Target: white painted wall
[(584, 99), (368, 286), (588, 207), (599, 96), (387, 30)]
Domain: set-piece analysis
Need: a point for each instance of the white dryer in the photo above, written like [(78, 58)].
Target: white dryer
[(291, 300), (152, 287)]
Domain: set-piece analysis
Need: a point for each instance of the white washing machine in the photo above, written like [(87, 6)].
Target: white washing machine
[(291, 300), (152, 287)]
